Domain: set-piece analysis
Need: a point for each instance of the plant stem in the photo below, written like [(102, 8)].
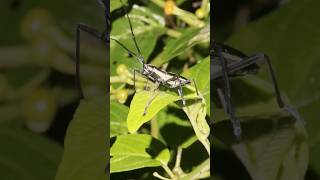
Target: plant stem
[(167, 169), (177, 169), (199, 171), (173, 33), (188, 17), (178, 158), (155, 174)]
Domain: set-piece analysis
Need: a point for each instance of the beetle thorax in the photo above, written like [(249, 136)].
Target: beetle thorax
[(147, 69)]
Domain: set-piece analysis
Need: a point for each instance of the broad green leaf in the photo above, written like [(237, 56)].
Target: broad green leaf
[(118, 115), (147, 27), (136, 151), (188, 39), (136, 117), (86, 142), (25, 155), (196, 113), (201, 74), (116, 4)]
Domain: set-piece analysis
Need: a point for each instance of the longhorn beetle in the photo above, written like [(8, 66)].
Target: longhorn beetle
[(228, 62), (156, 75)]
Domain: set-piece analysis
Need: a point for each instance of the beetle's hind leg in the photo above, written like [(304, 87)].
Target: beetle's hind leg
[(181, 93), (226, 97), (281, 103), (153, 95)]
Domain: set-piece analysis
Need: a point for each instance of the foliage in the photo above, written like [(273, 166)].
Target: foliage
[(85, 154), (26, 155), (274, 146), (148, 143), (37, 86)]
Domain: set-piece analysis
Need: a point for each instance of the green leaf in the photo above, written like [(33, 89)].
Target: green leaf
[(116, 4), (136, 151), (85, 154), (25, 155), (196, 113), (201, 75), (147, 27), (293, 47), (270, 150), (188, 39), (118, 115), (136, 118)]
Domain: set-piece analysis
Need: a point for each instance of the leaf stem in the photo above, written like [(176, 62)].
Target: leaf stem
[(168, 170), (155, 174), (177, 168)]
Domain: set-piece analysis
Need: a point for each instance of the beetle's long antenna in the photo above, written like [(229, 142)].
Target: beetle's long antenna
[(124, 47), (132, 33)]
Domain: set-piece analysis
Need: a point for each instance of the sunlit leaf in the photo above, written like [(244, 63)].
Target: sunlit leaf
[(187, 40), (116, 4), (136, 151), (138, 104), (196, 113), (118, 115), (200, 73)]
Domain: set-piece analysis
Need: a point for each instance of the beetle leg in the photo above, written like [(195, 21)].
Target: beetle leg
[(181, 93), (150, 99), (227, 97), (280, 101)]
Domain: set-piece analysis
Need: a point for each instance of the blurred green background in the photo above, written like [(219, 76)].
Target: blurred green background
[(38, 93)]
